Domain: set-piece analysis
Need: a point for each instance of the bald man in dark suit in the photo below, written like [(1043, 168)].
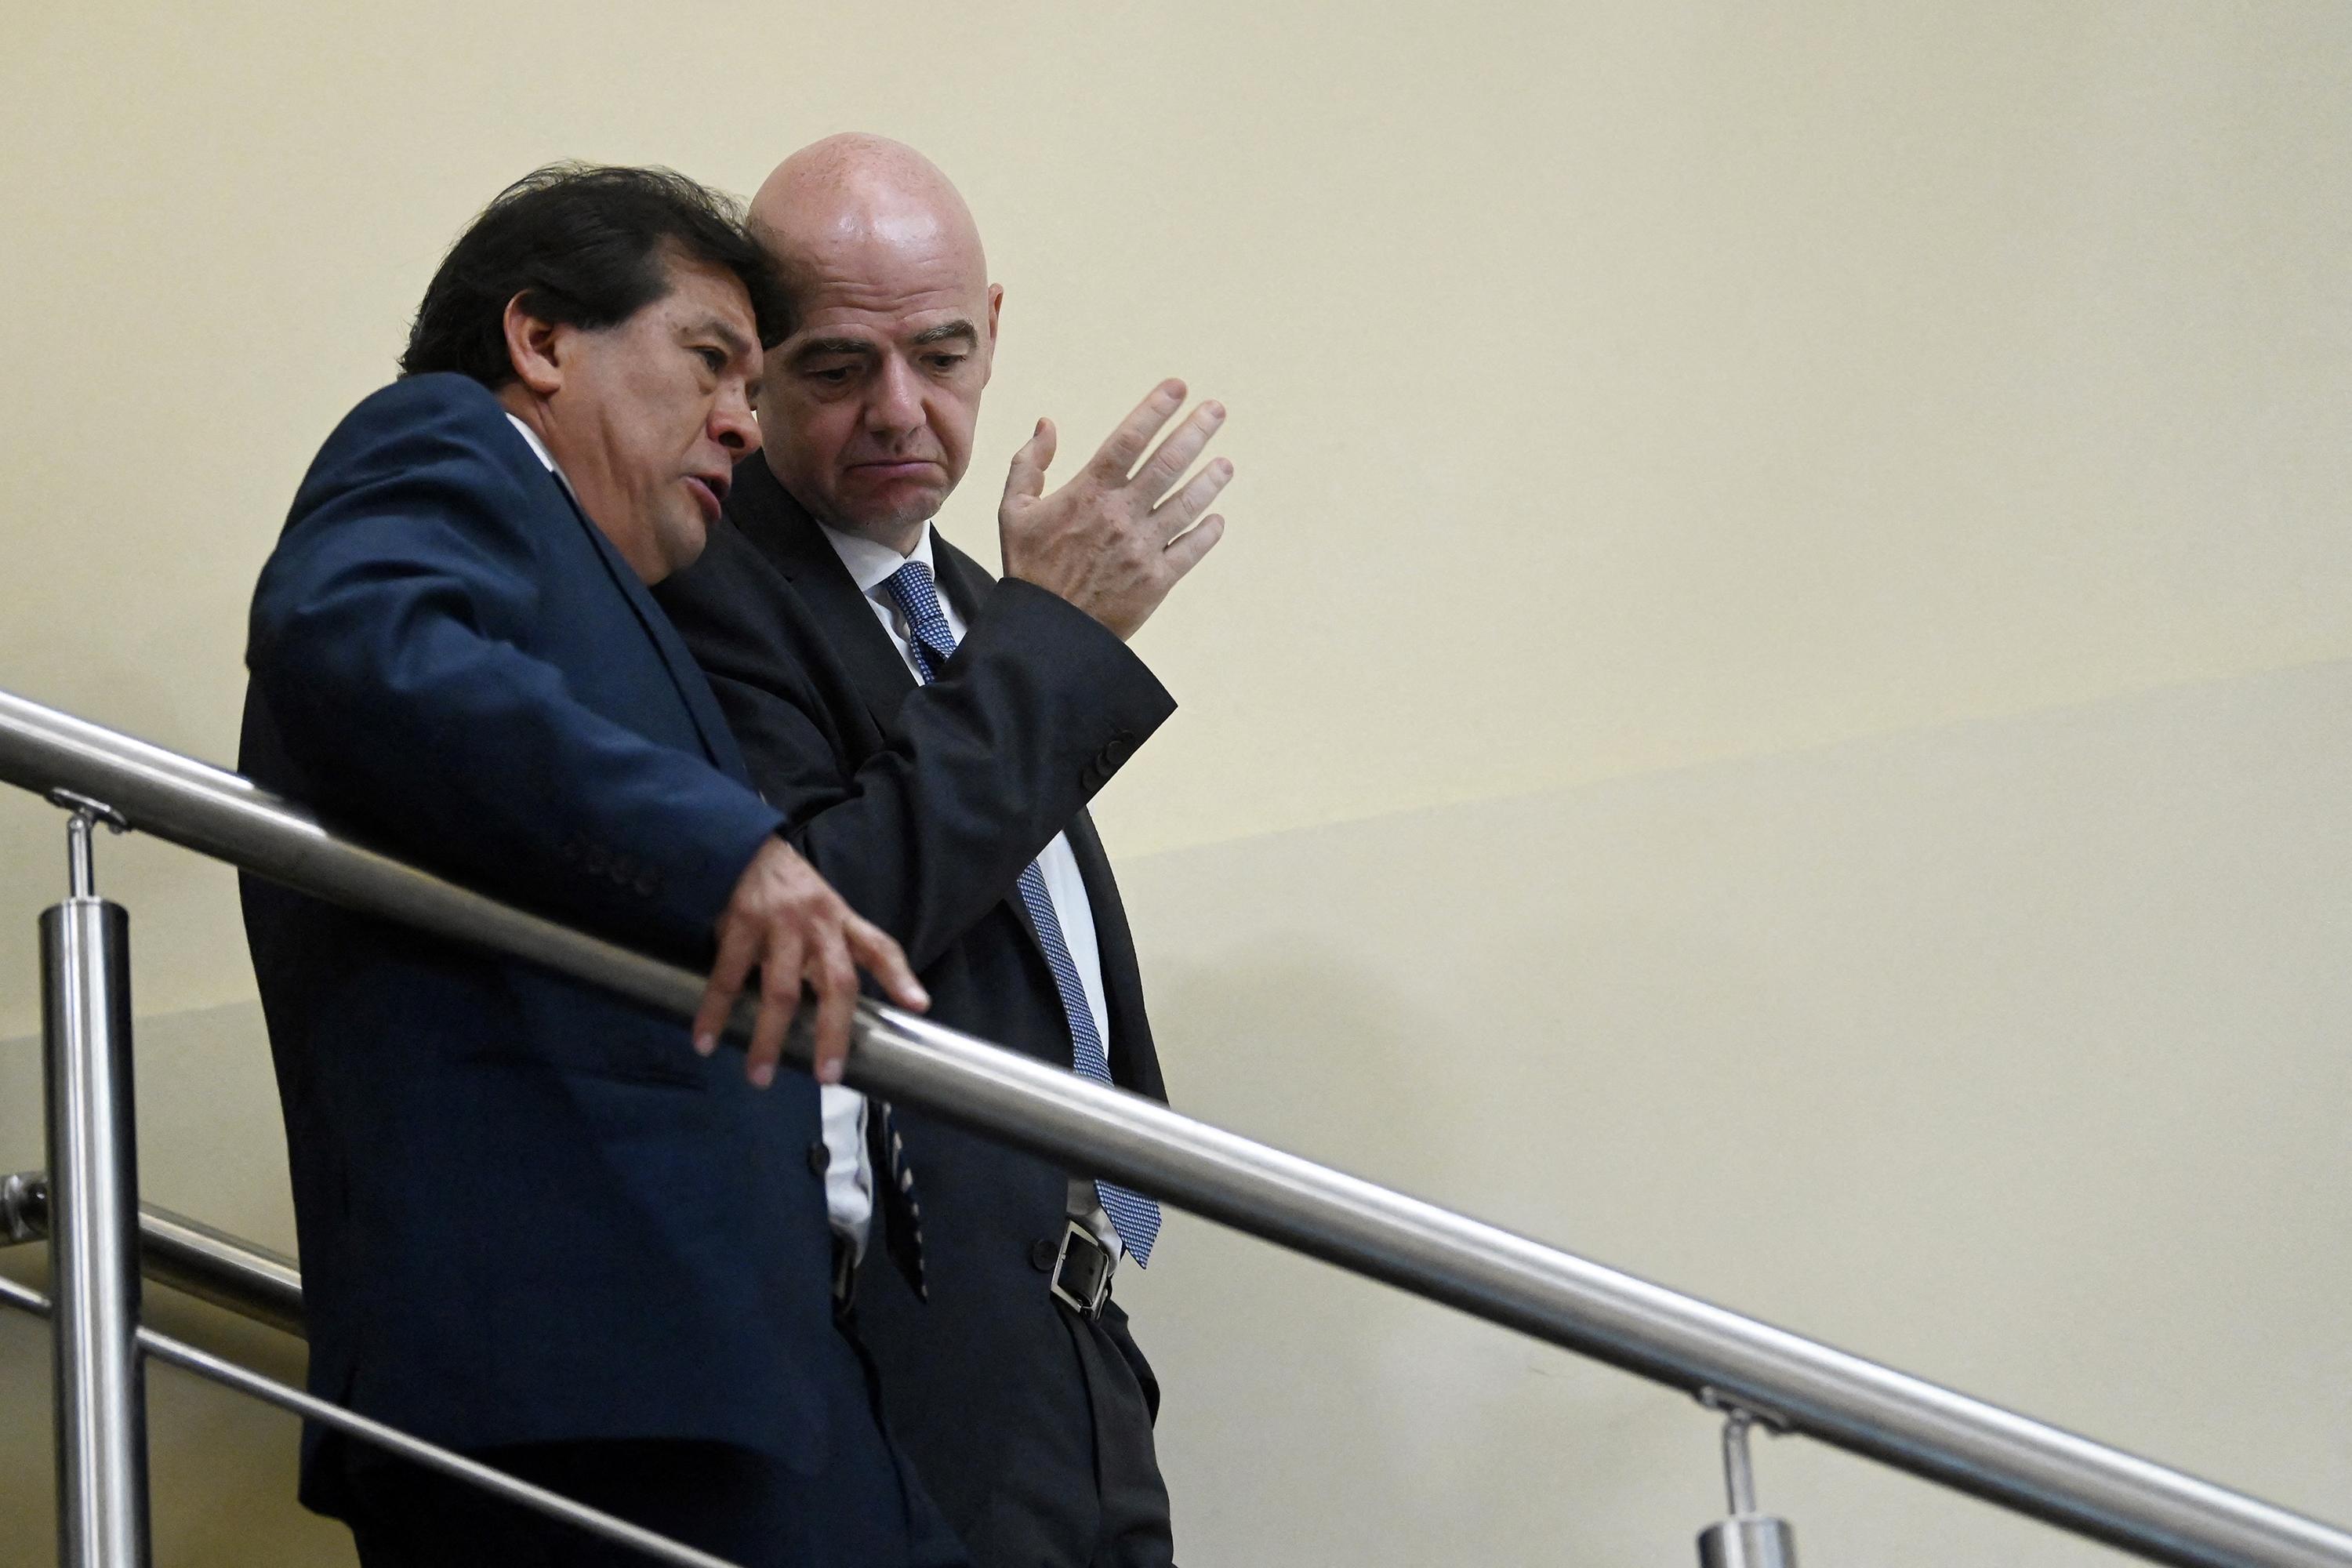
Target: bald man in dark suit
[(932, 735)]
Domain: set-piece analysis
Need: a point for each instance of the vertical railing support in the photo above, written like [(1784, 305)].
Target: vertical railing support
[(1748, 1538), (102, 1405)]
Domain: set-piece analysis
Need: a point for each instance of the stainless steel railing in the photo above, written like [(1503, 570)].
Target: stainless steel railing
[(1734, 1363), (187, 1255)]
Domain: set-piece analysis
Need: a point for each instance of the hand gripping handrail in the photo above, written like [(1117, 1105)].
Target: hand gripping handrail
[(1859, 1405)]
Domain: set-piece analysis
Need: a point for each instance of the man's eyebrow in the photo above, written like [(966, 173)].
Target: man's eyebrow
[(821, 348), (947, 331), (738, 346)]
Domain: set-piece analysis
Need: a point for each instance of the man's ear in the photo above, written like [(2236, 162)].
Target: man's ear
[(533, 349), (995, 307)]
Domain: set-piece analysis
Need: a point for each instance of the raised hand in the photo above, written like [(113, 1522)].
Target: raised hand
[(1115, 540)]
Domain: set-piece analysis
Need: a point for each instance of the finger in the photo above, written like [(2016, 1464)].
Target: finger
[(1117, 457), (737, 948), (1159, 476), (1027, 475), (1177, 513), (884, 959), (835, 979), (780, 998), (1184, 553)]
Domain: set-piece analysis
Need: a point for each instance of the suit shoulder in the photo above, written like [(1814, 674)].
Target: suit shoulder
[(441, 423), (424, 477), (446, 405)]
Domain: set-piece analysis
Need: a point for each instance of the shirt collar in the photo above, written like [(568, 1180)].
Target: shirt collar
[(870, 562), (539, 449)]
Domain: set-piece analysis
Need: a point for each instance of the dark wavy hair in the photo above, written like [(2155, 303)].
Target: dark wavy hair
[(585, 245)]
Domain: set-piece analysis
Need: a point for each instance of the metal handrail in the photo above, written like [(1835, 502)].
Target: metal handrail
[(188, 1255), (1801, 1384), (270, 1391)]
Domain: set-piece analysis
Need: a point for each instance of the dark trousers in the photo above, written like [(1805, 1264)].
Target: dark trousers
[(1084, 1491), (862, 1510)]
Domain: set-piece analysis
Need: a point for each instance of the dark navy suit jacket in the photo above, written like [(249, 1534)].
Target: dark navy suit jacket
[(528, 1211), (922, 808)]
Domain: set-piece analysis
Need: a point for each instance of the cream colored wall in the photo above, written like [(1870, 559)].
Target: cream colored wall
[(1657, 382), (1618, 389)]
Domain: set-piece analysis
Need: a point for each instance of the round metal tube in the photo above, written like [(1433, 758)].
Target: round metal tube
[(102, 1403), (1869, 1409), (186, 1255), (1739, 1473), (268, 1390), (215, 1267), (1751, 1541), (82, 864)]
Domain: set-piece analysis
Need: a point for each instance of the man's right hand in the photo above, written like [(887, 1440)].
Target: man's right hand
[(1113, 541), (788, 920)]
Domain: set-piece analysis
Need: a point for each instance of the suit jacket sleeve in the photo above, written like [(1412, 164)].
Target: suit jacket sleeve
[(976, 772), (387, 643)]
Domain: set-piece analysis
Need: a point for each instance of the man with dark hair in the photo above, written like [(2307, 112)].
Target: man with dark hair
[(933, 736), (591, 246), (537, 1224)]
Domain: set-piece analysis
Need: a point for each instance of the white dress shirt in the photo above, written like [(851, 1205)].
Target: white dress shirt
[(871, 564)]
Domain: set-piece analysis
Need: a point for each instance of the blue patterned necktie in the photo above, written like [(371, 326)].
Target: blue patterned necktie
[(932, 644)]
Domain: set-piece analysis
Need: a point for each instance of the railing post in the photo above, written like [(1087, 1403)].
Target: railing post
[(1746, 1538), (93, 1194)]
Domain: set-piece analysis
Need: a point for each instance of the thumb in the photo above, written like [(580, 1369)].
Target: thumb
[(1027, 475)]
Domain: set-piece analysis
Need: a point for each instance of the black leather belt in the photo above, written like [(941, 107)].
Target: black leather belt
[(1082, 1272)]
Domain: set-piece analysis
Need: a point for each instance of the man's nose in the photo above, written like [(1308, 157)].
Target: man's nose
[(733, 425), (896, 404)]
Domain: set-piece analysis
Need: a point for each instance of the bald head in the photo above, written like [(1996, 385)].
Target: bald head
[(866, 411), (858, 193)]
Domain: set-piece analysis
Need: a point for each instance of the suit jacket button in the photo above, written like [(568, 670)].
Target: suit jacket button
[(820, 1157), (1042, 1255)]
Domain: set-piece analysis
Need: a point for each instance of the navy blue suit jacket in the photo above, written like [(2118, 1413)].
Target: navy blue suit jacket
[(528, 1211)]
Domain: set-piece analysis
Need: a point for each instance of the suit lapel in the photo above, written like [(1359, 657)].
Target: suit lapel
[(967, 582), (1133, 1062), (781, 530), (686, 676), (968, 586)]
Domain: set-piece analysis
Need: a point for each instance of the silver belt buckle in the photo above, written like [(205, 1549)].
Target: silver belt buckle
[(1082, 1272)]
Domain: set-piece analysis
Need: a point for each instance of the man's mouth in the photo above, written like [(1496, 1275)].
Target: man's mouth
[(709, 492), (895, 468)]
